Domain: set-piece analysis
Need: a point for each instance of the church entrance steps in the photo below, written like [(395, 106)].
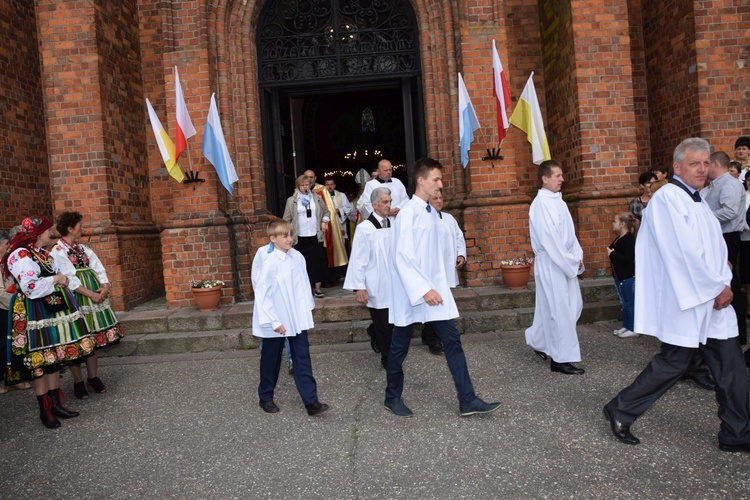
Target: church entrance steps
[(338, 319)]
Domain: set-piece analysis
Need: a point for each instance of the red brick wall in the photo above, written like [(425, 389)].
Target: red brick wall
[(24, 172), (723, 55), (91, 80), (669, 35)]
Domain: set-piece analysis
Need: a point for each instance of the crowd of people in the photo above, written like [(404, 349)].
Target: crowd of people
[(58, 312), (679, 259)]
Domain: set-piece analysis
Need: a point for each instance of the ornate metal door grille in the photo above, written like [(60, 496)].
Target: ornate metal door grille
[(329, 40)]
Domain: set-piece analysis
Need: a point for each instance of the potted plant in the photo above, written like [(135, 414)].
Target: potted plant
[(516, 272), (207, 294)]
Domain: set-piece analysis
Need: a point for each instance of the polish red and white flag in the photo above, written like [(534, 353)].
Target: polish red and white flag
[(501, 92), (184, 129)]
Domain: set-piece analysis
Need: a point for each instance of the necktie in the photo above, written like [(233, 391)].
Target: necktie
[(696, 197), (429, 208), (386, 222)]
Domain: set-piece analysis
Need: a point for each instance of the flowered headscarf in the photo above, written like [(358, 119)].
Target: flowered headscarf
[(31, 229)]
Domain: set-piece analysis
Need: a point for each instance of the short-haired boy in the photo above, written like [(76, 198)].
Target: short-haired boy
[(283, 309)]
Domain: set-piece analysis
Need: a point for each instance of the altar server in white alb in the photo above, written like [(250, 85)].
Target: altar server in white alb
[(420, 293), (453, 245), (367, 274), (558, 260), (283, 309), (385, 178), (683, 297)]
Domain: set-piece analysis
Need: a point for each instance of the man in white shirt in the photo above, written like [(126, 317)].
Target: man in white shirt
[(682, 297), (558, 262), (385, 178), (367, 275), (420, 293), (454, 258)]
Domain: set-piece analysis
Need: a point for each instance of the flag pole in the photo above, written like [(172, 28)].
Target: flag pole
[(191, 175)]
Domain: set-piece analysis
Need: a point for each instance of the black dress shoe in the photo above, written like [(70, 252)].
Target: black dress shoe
[(734, 448), (541, 355), (316, 408), (268, 406), (620, 430), (702, 380), (436, 348), (566, 368)]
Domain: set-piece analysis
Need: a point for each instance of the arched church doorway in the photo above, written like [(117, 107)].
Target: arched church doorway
[(340, 89)]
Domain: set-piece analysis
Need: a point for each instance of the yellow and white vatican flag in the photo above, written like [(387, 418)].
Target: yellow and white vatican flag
[(166, 146), (528, 117)]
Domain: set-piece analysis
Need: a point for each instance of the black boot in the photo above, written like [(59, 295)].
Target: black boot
[(79, 390), (97, 385), (45, 412), (58, 400)]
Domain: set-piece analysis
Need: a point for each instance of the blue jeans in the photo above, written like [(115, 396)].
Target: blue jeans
[(454, 355), (626, 291)]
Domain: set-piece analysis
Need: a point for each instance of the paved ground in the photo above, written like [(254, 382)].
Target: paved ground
[(188, 426)]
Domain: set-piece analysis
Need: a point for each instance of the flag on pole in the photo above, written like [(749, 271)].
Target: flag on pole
[(215, 148), (166, 146), (501, 93), (184, 129), (528, 117), (467, 121)]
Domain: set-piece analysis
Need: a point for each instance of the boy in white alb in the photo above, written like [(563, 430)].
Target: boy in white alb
[(420, 293), (283, 309)]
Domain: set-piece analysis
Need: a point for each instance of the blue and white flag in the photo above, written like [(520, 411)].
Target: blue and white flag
[(215, 148), (467, 121)]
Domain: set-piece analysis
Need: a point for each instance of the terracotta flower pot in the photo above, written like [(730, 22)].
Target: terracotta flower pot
[(516, 277), (207, 299)]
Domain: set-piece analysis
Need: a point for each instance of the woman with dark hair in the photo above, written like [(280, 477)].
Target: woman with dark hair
[(637, 205), (89, 282), (309, 217), (47, 329)]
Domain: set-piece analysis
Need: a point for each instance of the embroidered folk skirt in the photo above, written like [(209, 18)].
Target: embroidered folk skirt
[(40, 339), (100, 319)]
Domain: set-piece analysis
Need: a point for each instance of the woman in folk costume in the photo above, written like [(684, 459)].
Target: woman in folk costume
[(47, 329), (89, 282)]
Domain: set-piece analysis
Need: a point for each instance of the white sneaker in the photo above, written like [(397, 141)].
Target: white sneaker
[(627, 334), (618, 332)]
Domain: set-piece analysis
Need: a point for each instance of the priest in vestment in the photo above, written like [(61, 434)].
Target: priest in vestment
[(420, 293), (558, 260), (367, 275), (333, 239), (683, 297)]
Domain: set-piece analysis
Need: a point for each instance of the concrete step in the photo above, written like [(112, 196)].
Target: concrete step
[(338, 319)]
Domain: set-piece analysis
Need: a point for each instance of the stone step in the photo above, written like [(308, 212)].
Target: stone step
[(338, 320)]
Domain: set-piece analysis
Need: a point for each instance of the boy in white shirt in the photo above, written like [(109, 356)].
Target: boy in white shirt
[(283, 309)]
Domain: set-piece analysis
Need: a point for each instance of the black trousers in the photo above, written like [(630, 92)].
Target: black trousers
[(724, 359), (738, 301), (382, 332)]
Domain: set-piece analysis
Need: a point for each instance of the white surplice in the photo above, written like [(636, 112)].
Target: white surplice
[(557, 255), (282, 294), (369, 263), (681, 265), (453, 245), (399, 198), (417, 267)]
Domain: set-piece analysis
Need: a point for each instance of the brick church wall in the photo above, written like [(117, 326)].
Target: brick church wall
[(24, 171), (620, 82), (93, 100)]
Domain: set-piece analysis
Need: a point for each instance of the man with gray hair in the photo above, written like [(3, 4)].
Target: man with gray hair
[(367, 274), (682, 297)]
